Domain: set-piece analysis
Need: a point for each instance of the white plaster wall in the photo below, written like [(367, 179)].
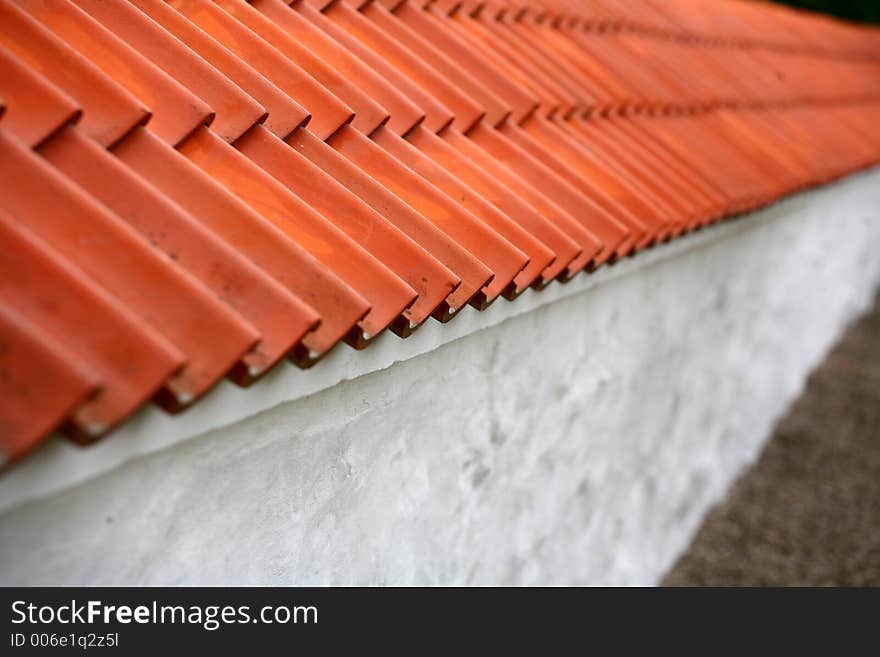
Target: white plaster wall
[(578, 443)]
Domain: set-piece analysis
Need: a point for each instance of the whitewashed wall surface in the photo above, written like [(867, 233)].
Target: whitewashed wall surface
[(575, 436)]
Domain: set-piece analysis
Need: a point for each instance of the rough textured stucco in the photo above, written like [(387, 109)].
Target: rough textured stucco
[(579, 443)]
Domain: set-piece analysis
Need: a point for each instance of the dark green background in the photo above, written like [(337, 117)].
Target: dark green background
[(857, 10)]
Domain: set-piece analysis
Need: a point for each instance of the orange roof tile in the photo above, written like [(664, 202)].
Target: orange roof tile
[(196, 189)]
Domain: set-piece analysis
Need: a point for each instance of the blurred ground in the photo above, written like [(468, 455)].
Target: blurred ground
[(808, 512)]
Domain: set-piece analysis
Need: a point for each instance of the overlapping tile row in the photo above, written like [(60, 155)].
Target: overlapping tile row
[(197, 189)]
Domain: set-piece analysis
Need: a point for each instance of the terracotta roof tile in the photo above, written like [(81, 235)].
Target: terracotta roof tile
[(176, 111), (402, 114), (413, 264), (42, 384), (339, 307), (128, 357), (367, 113), (204, 187), (515, 101), (109, 111), (281, 318), (390, 81), (485, 181), (327, 111), (387, 295), (284, 114), (539, 256), (470, 271), (37, 109), (504, 260), (212, 336), (526, 189), (235, 110)]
